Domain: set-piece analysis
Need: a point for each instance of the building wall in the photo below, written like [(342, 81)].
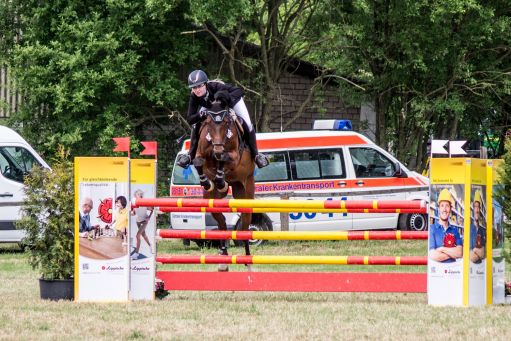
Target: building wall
[(326, 104), (10, 98)]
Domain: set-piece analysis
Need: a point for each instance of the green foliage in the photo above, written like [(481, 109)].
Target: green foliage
[(92, 71), (48, 219), (504, 197), (431, 68)]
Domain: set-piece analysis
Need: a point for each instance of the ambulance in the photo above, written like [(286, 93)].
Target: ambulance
[(326, 163), (17, 158)]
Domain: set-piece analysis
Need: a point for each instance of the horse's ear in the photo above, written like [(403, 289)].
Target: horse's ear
[(223, 97)]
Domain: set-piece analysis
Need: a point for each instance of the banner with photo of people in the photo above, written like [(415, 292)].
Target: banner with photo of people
[(496, 237), (477, 245), (447, 224), (102, 229), (143, 230)]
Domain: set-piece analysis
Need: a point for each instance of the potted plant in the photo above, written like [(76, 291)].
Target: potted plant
[(48, 221)]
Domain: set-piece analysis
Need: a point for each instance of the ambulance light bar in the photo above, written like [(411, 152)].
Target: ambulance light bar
[(332, 125)]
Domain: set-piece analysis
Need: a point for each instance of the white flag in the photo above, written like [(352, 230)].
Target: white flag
[(438, 146)]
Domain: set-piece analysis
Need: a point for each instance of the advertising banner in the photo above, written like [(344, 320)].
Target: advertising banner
[(477, 247), (448, 219), (102, 209), (143, 230), (495, 237)]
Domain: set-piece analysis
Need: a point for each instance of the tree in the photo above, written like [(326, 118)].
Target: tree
[(100, 69), (504, 196), (429, 67), (260, 39)]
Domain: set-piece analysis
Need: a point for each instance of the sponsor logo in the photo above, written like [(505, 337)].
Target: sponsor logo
[(112, 268), (140, 268), (452, 272)]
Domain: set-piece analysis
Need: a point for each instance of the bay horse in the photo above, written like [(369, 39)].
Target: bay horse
[(222, 160)]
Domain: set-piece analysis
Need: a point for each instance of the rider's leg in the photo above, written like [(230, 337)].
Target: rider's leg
[(184, 160), (250, 135)]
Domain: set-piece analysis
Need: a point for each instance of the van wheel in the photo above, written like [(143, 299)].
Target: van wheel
[(259, 223), (413, 222)]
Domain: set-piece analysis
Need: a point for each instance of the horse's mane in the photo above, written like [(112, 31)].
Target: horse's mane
[(223, 97)]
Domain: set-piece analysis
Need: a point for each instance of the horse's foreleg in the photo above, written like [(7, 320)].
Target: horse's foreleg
[(220, 183), (207, 184), (246, 218), (222, 226)]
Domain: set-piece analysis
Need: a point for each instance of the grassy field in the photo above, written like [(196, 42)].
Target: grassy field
[(235, 316)]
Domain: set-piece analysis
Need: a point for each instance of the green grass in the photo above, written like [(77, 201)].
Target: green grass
[(242, 315)]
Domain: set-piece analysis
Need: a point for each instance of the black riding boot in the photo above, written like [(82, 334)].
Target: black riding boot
[(184, 160), (261, 160)]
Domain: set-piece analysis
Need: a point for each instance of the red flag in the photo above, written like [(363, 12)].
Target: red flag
[(151, 148), (122, 144)]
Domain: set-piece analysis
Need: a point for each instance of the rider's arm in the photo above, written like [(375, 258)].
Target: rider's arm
[(193, 110), (234, 92)]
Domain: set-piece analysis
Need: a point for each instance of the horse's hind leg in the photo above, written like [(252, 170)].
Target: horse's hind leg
[(238, 192), (222, 226)]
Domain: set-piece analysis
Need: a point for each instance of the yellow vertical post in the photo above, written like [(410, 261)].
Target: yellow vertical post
[(466, 230), (489, 232)]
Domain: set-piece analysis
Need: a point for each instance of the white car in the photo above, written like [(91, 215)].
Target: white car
[(17, 158)]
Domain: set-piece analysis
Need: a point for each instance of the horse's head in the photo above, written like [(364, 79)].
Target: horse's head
[(221, 131)]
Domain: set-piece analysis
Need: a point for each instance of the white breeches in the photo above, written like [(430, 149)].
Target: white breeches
[(241, 110)]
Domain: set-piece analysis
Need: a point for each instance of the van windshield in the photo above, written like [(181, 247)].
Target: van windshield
[(277, 170), (16, 162), (185, 176)]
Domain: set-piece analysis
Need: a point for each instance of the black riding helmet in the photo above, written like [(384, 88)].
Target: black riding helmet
[(197, 77)]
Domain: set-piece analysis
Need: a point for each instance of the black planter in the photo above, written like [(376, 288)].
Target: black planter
[(57, 289)]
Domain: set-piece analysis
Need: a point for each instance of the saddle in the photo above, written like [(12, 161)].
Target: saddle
[(240, 128)]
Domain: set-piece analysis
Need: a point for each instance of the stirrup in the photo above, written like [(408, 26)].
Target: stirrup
[(261, 160), (184, 160)]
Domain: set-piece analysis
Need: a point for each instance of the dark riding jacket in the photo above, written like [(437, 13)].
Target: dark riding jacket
[(212, 88)]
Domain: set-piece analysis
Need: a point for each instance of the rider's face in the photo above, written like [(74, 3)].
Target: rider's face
[(199, 90)]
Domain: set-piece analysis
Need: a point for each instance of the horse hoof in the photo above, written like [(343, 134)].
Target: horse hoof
[(223, 268), (223, 190), (208, 186), (250, 268)]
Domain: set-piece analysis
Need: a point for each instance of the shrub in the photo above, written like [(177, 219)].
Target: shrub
[(48, 219)]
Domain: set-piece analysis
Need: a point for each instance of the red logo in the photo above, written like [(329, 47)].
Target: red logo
[(479, 243), (105, 210), (103, 267), (449, 240)]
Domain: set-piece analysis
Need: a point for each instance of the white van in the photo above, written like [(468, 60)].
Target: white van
[(17, 158), (318, 164)]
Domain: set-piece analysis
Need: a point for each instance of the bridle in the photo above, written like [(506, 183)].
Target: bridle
[(218, 117)]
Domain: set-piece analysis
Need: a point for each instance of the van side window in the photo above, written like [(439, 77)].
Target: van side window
[(370, 163), (16, 162), (318, 164), (277, 170)]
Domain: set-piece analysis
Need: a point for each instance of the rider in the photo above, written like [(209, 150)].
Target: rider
[(203, 92)]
